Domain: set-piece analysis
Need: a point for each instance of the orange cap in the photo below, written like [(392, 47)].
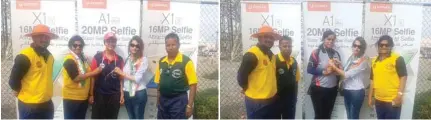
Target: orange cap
[(42, 29), (266, 30)]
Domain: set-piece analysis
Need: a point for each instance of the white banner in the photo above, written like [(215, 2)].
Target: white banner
[(345, 19), (96, 18), (285, 18), (405, 28), (163, 17), (59, 16)]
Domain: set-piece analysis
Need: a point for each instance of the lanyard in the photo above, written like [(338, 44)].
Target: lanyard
[(132, 86), (81, 67), (102, 64)]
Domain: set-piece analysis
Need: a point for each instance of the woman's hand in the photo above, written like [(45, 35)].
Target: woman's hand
[(370, 102), (91, 99), (397, 101), (118, 71)]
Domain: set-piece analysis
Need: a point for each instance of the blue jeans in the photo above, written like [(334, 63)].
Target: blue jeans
[(75, 109), (385, 110), (36, 111), (260, 109), (353, 100), (172, 107), (136, 105)]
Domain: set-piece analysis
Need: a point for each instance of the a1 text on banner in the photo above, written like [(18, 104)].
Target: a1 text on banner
[(345, 19), (97, 17)]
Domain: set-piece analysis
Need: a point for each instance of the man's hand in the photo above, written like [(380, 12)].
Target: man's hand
[(91, 99), (189, 111), (370, 102), (122, 99), (398, 101), (15, 93)]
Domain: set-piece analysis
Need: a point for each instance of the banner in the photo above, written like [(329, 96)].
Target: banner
[(159, 18), (97, 17), (405, 28), (163, 17), (285, 18), (345, 19), (59, 16)]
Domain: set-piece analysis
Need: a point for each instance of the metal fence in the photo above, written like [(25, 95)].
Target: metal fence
[(232, 101), (207, 68)]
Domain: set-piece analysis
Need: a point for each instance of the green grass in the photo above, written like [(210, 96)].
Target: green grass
[(422, 107), (206, 104)]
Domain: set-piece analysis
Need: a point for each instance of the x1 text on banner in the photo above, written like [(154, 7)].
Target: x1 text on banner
[(345, 19), (405, 28), (97, 17), (284, 18), (161, 17), (60, 17)]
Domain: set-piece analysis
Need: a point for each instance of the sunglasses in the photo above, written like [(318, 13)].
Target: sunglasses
[(356, 46), (383, 45), (134, 45), (78, 45)]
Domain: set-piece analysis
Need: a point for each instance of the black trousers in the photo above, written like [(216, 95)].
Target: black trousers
[(323, 101), (106, 106)]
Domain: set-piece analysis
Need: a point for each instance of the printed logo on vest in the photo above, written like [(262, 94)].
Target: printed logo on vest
[(265, 62), (39, 64), (390, 66), (161, 70), (176, 73), (280, 71)]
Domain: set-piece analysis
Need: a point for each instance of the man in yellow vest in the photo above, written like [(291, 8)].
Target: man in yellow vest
[(257, 76), (388, 80), (31, 76)]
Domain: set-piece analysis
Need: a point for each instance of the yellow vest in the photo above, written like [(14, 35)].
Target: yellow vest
[(36, 86), (72, 90), (385, 78), (262, 83)]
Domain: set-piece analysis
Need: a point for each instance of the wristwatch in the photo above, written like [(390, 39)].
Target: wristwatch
[(400, 93)]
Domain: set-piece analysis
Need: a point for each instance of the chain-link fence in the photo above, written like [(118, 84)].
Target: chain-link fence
[(232, 101), (207, 68)]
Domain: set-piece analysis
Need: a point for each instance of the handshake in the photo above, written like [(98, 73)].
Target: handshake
[(332, 64)]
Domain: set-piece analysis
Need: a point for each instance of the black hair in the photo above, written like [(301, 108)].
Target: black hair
[(386, 37), (173, 35), (75, 38), (140, 45), (285, 37), (363, 45), (327, 33)]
